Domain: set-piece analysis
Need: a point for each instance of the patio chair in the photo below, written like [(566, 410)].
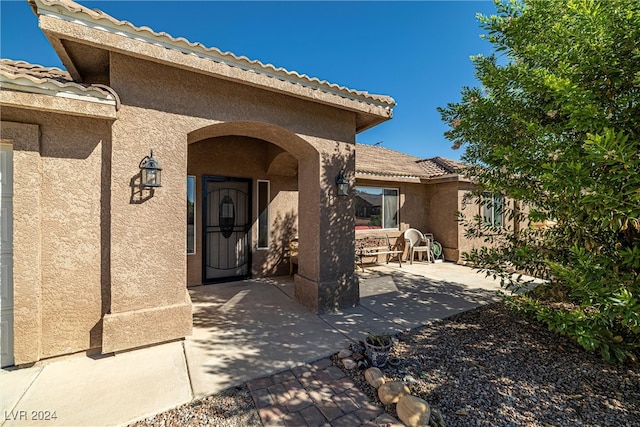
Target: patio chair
[(417, 242)]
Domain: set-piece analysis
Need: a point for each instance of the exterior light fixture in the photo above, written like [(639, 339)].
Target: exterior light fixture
[(150, 171), (342, 183)]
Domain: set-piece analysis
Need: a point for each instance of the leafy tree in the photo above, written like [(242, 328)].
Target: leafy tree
[(556, 126)]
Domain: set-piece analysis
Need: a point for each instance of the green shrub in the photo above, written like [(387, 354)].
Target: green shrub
[(556, 127)]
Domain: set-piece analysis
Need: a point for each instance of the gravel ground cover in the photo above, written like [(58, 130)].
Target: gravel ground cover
[(485, 367), (491, 367), (230, 408)]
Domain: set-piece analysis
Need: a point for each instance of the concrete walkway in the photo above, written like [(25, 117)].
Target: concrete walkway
[(243, 331)]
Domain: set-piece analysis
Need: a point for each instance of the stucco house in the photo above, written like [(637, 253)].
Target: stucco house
[(100, 263), (95, 259), (395, 191), (417, 193)]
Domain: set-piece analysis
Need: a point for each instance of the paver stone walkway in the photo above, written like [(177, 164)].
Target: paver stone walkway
[(314, 395)]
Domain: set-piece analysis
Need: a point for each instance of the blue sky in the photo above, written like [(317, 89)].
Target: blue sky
[(416, 52)]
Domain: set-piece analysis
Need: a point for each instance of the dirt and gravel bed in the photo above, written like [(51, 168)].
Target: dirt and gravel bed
[(485, 367), (233, 407), (491, 367)]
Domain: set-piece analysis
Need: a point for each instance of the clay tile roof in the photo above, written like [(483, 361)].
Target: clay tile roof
[(183, 45), (451, 166), (33, 70), (380, 161), (15, 71), (438, 166), (383, 161)]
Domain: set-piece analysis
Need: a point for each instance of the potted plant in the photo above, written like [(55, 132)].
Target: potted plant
[(378, 347)]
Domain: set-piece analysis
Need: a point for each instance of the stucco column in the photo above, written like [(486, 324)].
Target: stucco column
[(326, 280), (27, 325), (149, 302)]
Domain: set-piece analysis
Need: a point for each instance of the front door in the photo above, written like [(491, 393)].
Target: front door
[(227, 218)]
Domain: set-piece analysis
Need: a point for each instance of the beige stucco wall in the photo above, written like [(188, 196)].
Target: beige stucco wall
[(163, 108), (61, 292), (334, 235), (473, 208), (101, 262), (469, 208), (442, 202), (283, 219)]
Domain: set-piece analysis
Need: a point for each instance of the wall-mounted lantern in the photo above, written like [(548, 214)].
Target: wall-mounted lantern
[(150, 172), (342, 183)]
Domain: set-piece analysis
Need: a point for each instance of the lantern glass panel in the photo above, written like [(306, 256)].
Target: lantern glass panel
[(343, 189), (151, 177)]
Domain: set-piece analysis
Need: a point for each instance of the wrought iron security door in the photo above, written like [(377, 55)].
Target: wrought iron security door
[(227, 212)]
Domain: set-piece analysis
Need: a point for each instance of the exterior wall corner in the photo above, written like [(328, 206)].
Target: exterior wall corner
[(27, 314), (133, 329)]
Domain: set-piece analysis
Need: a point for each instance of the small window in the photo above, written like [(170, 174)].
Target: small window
[(376, 208), (492, 205), (191, 215), (263, 214)]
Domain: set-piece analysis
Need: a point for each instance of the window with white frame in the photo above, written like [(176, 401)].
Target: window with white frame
[(263, 214), (191, 215), (492, 209), (376, 208)]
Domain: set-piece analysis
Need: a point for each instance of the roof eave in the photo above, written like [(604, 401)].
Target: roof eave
[(365, 122), (387, 177), (58, 23), (29, 98), (452, 177)]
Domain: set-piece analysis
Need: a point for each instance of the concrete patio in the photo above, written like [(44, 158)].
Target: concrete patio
[(242, 331)]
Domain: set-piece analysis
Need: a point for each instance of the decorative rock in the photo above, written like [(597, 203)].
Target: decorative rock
[(413, 411), (392, 392), (374, 377), (357, 356), (409, 379), (349, 363), (345, 353)]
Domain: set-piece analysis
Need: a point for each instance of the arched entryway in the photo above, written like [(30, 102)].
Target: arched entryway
[(241, 167)]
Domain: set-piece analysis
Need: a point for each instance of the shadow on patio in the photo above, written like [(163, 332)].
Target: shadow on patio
[(253, 328)]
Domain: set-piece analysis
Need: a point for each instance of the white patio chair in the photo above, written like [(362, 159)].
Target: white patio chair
[(417, 243)]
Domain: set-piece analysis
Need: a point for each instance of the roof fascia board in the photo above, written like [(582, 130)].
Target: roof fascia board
[(452, 177), (375, 176), (59, 105), (196, 51)]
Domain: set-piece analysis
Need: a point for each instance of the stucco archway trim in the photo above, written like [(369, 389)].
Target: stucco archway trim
[(295, 145)]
